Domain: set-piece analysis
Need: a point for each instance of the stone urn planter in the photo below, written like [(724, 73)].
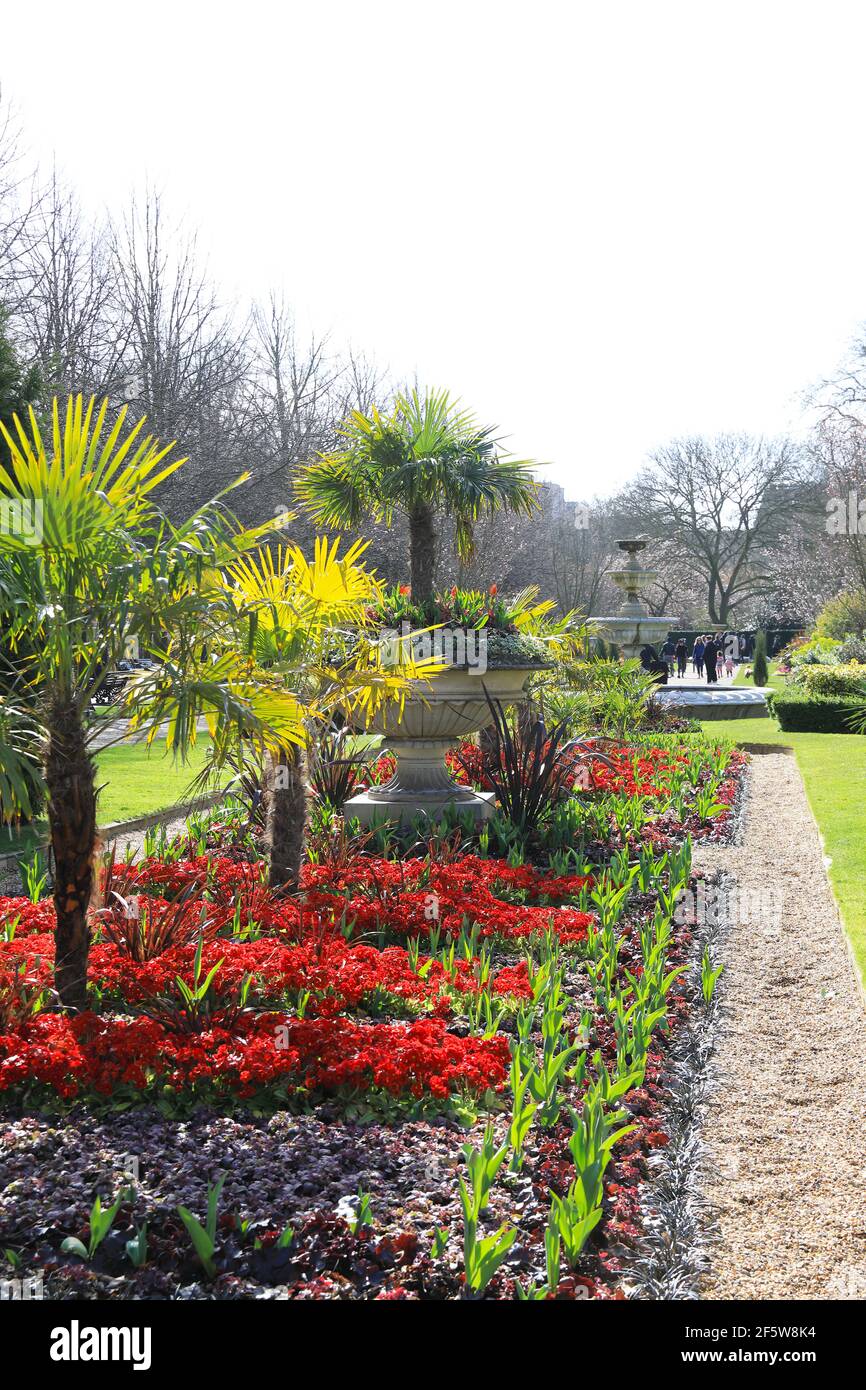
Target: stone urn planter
[(448, 707)]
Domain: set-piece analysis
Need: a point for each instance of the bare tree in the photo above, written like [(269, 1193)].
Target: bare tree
[(20, 197), (840, 400), (677, 590), (127, 310), (292, 409), (838, 447), (184, 360), (724, 504), (67, 313), (564, 549), (581, 553), (361, 384), (290, 406)]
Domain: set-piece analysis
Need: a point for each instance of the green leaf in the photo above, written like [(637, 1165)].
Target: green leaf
[(73, 1246), (201, 1241)]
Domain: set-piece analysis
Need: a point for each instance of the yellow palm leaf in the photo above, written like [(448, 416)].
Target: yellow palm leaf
[(78, 492)]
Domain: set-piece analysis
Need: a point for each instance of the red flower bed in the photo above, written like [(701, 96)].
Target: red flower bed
[(631, 775), (319, 946), (219, 876), (646, 774), (338, 974), (336, 1001), (28, 916), (466, 875), (91, 1055), (470, 890)]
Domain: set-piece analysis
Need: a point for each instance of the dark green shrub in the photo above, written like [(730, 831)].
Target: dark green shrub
[(818, 714), (760, 670), (853, 649)]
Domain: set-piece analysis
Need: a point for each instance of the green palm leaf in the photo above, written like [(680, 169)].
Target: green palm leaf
[(428, 454)]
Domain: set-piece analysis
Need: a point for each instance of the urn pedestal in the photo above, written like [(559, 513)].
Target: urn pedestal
[(452, 706)]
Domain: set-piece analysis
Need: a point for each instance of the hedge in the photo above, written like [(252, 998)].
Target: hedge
[(816, 714)]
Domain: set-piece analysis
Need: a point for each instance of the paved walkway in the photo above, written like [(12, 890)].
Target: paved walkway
[(785, 1142), (115, 731)]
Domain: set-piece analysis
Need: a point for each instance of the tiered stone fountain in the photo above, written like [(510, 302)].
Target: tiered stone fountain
[(633, 627)]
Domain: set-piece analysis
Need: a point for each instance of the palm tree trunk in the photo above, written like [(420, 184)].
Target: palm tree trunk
[(71, 781), (287, 815), (422, 551)]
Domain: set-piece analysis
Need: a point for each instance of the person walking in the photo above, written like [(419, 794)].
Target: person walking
[(698, 656), (711, 653), (682, 657), (653, 664), (667, 655)]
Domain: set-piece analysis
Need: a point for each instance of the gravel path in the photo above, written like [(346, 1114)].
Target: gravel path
[(134, 839), (785, 1178), (10, 874)]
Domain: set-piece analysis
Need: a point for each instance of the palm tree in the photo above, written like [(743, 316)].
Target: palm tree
[(96, 570), (425, 456), (304, 624)]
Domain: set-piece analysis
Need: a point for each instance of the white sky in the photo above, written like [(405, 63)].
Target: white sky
[(602, 225)]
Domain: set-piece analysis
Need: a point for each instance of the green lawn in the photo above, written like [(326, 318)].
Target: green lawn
[(833, 768), (139, 780), (135, 780), (774, 679)]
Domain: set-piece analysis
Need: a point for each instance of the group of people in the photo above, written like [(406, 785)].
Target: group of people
[(713, 655)]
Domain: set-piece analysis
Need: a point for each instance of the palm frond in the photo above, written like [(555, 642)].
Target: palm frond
[(336, 491), (21, 782), (88, 487), (428, 451)]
